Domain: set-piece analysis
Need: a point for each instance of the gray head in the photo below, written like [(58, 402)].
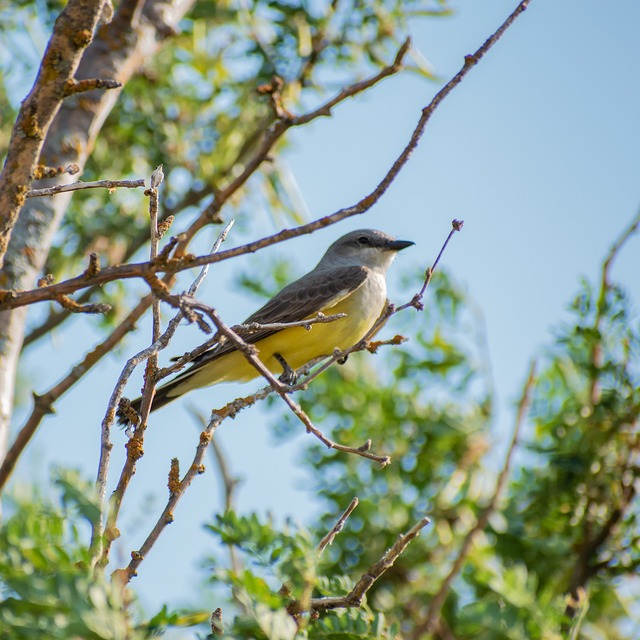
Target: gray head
[(365, 247)]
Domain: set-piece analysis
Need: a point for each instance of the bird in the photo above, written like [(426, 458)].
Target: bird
[(349, 279)]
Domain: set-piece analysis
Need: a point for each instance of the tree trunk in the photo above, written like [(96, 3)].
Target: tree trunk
[(118, 50)]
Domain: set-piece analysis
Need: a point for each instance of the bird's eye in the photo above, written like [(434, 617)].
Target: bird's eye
[(364, 240)]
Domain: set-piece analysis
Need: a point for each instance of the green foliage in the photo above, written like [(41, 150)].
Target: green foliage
[(283, 557), (280, 567), (565, 531), (561, 540), (47, 585)]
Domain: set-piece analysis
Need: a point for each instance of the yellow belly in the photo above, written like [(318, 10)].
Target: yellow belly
[(296, 344)]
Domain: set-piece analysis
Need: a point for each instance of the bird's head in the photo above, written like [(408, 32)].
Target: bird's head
[(365, 247)]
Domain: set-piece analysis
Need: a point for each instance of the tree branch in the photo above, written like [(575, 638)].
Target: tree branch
[(101, 548), (117, 51), (355, 597), (78, 186), (12, 300), (72, 33), (197, 467), (44, 403), (337, 527)]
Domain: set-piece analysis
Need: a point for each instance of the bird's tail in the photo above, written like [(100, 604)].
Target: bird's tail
[(163, 396)]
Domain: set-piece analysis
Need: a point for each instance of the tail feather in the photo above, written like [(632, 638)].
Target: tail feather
[(160, 399)]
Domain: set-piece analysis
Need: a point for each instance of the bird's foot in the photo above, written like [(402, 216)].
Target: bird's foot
[(288, 375)]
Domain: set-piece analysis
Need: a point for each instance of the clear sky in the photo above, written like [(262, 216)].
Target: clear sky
[(537, 151)]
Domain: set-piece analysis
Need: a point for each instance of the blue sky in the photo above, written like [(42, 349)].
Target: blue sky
[(537, 150)]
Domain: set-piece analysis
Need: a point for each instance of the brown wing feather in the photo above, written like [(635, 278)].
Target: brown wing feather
[(303, 298)]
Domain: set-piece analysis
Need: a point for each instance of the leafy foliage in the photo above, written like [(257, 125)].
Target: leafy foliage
[(562, 539), (48, 587)]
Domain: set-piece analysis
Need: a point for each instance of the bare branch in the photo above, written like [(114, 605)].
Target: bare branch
[(111, 185), (134, 446), (250, 353), (73, 307), (142, 270), (197, 467), (617, 246), (337, 527), (307, 324), (355, 597), (43, 404)]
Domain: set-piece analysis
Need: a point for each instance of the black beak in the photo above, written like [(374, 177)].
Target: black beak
[(399, 245)]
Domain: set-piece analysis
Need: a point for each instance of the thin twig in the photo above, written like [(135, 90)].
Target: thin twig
[(90, 308), (77, 186), (15, 299), (428, 625), (616, 248), (107, 422), (44, 403), (355, 597), (337, 527), (166, 517), (149, 387), (320, 318), (229, 483), (250, 353)]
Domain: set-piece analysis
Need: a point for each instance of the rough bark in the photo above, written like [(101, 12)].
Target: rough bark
[(72, 32), (118, 50)]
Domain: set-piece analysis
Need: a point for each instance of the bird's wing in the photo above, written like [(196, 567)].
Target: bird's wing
[(302, 299)]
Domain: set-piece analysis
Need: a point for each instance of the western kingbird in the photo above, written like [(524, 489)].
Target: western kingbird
[(349, 279)]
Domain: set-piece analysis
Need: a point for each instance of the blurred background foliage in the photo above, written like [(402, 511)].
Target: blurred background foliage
[(563, 535)]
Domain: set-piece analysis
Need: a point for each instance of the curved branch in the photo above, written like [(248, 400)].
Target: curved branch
[(11, 300)]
